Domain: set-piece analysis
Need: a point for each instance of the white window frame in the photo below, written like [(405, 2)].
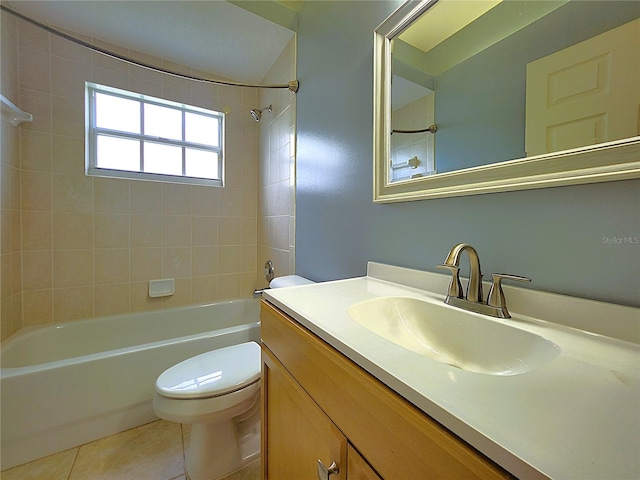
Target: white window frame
[(92, 132)]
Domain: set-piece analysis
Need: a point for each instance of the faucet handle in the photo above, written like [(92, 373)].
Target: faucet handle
[(496, 295), (455, 288)]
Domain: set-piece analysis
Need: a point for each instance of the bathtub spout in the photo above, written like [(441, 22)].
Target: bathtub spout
[(258, 293)]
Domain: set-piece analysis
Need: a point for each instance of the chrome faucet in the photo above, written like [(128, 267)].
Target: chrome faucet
[(496, 305)]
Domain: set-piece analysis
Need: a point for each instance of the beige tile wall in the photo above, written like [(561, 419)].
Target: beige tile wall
[(10, 258), (90, 245), (276, 183)]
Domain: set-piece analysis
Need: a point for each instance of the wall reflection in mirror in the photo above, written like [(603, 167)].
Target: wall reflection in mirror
[(509, 79)]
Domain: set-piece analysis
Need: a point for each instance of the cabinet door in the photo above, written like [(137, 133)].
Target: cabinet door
[(295, 431), (358, 468)]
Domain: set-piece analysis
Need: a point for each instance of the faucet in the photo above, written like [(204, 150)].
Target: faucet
[(496, 305)]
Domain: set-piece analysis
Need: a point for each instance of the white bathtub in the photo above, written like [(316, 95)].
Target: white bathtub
[(67, 384)]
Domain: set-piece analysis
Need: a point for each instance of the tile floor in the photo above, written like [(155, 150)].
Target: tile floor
[(151, 452)]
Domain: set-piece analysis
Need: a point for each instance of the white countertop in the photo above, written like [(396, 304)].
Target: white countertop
[(578, 417)]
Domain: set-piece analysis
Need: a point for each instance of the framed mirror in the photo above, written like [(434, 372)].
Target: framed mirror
[(482, 96)]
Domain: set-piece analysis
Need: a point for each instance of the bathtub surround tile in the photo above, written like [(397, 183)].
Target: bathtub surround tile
[(33, 37), (104, 76), (230, 231), (111, 299), (72, 304), (67, 78), (111, 195), (37, 307), (72, 268), (72, 193), (111, 230), (111, 266), (37, 231), (35, 151), (72, 230), (146, 264), (182, 295), (176, 231), (230, 286), (37, 270), (153, 451), (204, 231), (176, 199), (37, 104), (204, 289), (230, 203), (36, 190), (6, 274), (140, 301), (146, 197), (67, 155), (204, 261), (63, 48), (16, 273), (33, 69), (249, 258), (229, 259), (67, 116), (146, 231), (176, 262), (204, 201), (168, 229)]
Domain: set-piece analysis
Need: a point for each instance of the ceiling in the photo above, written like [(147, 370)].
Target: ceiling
[(444, 19), (214, 36)]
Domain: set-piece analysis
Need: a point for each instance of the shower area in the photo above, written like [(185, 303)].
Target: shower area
[(77, 247)]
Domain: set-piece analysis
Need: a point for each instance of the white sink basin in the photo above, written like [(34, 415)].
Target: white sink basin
[(454, 337)]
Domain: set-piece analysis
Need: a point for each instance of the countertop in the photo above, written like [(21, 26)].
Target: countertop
[(578, 417)]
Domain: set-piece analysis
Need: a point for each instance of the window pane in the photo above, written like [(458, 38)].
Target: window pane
[(201, 129), (117, 113), (201, 164), (162, 122), (118, 153), (163, 159)]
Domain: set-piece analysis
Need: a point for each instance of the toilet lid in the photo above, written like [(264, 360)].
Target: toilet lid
[(213, 373)]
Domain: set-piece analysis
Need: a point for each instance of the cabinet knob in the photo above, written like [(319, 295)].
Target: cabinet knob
[(324, 472)]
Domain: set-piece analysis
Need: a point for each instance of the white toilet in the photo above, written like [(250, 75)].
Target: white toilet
[(217, 393)]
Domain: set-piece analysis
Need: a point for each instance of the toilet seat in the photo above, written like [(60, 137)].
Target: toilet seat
[(212, 374)]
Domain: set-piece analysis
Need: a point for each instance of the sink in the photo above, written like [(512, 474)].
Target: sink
[(448, 335)]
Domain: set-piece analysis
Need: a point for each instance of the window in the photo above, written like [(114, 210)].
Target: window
[(131, 135)]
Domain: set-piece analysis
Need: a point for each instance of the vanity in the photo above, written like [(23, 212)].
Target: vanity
[(552, 392)]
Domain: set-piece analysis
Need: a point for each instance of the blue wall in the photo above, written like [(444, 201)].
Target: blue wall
[(555, 236)]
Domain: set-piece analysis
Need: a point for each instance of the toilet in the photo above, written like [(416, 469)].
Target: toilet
[(217, 393)]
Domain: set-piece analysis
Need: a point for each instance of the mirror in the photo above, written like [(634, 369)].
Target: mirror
[(481, 96)]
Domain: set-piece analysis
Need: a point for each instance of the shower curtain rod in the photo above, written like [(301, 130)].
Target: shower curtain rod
[(293, 85)]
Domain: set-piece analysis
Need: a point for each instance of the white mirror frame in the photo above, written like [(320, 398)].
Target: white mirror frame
[(618, 160)]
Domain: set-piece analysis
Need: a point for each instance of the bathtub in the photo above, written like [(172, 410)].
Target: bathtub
[(67, 384)]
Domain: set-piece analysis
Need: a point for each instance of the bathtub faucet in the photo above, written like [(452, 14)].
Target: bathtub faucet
[(258, 293)]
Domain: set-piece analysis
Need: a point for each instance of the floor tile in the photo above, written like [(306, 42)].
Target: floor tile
[(250, 472), (53, 467), (150, 452)]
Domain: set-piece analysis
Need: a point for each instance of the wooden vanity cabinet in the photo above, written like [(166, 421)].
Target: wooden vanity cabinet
[(319, 405)]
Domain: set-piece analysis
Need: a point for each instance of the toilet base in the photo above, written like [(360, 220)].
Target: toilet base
[(222, 448), (212, 452)]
